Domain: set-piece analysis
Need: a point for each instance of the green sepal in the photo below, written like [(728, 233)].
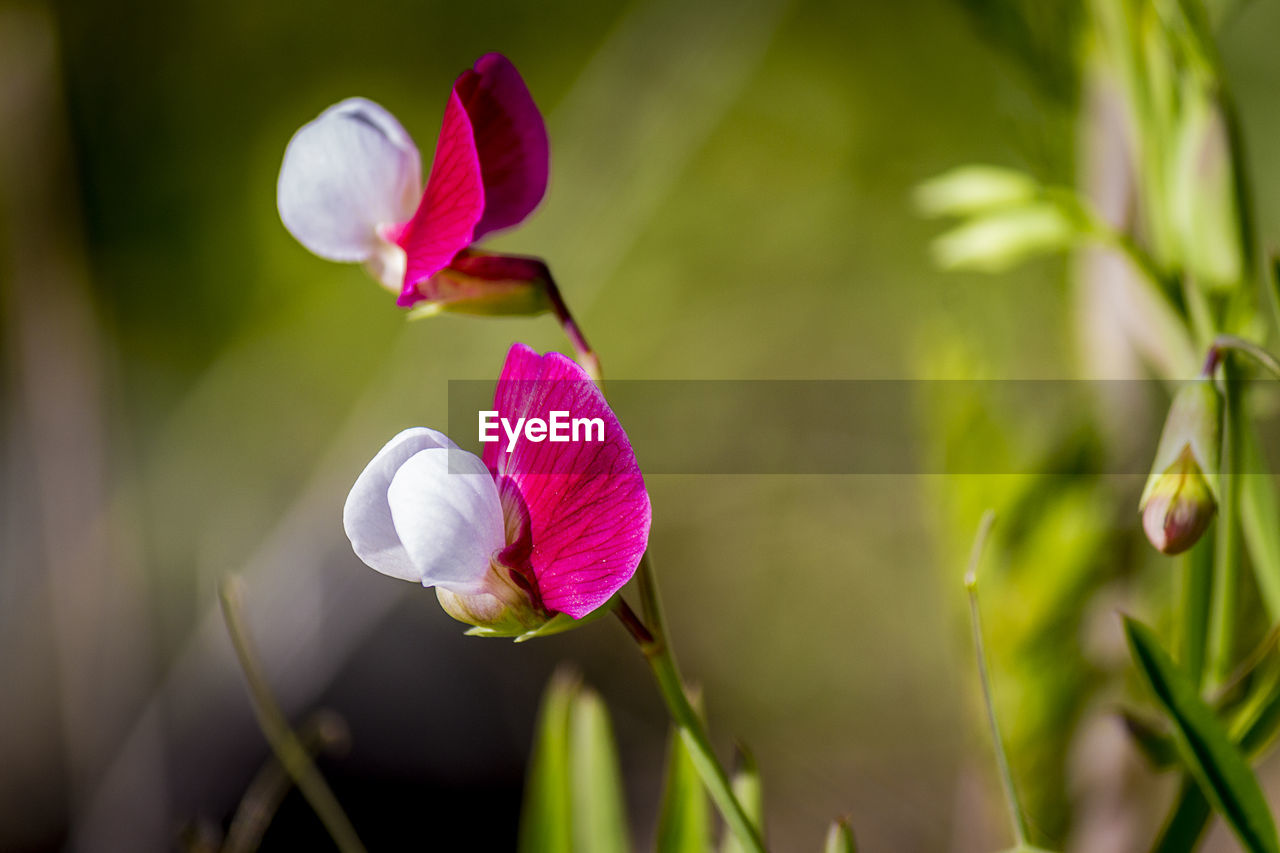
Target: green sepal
[(557, 624)]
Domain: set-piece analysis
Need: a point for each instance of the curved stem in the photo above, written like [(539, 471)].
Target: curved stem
[(322, 732), (1223, 344), (651, 637), (1226, 555), (285, 744), (586, 355), (1167, 317), (1246, 215), (1016, 817)]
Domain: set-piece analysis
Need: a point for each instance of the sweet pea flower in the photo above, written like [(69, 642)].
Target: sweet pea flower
[(350, 189), (526, 540)]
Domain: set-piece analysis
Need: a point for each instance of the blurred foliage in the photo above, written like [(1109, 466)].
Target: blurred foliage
[(1052, 551), (1041, 36), (730, 198)]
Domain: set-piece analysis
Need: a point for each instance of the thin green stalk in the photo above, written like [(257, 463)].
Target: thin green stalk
[(1242, 194), (1194, 596), (651, 636), (1102, 231), (1168, 316), (1198, 310), (261, 800), (1186, 822), (586, 355), (1016, 816), (284, 743), (1226, 556), (1223, 344)]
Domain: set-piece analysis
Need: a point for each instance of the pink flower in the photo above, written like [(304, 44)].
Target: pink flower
[(350, 186), (535, 529)]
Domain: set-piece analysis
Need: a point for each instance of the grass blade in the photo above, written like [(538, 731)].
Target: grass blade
[(545, 820), (598, 810), (1260, 521), (749, 792), (1223, 774), (684, 824), (840, 838)]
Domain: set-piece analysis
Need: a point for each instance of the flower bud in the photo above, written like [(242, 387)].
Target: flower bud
[(488, 284), (1181, 494)]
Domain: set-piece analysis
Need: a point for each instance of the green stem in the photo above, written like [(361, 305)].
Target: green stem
[(1226, 556), (1197, 581), (1102, 231), (586, 355), (1198, 310), (284, 743), (1186, 823), (651, 636), (1016, 816), (1242, 194), (1168, 317), (268, 789), (1223, 344)]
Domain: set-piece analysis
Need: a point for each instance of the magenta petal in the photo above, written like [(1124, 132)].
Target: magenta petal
[(585, 501), (445, 221), (511, 140)]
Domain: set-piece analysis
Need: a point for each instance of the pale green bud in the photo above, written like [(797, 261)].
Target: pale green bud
[(968, 190), (996, 241), (1181, 495)]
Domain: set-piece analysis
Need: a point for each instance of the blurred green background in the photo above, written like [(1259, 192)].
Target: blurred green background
[(188, 392)]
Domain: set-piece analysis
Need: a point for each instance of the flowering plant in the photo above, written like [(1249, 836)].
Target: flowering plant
[(526, 541)]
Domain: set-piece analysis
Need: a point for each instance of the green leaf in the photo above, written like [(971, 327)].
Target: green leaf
[(748, 790), (1260, 521), (684, 824), (1257, 721), (1186, 823), (1196, 586), (545, 820), (967, 190), (840, 838), (996, 241), (598, 810), (1208, 753), (1155, 745)]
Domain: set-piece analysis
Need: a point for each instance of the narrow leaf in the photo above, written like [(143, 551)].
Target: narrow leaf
[(684, 824), (840, 838), (1260, 521), (748, 790), (598, 810), (1208, 753), (967, 190), (999, 240), (1155, 745), (546, 821), (1186, 823), (1257, 721)]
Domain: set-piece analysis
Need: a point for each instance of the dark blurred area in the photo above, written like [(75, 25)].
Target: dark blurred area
[(188, 393)]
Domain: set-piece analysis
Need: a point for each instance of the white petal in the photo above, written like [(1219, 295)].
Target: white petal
[(448, 515), (367, 515), (344, 174)]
